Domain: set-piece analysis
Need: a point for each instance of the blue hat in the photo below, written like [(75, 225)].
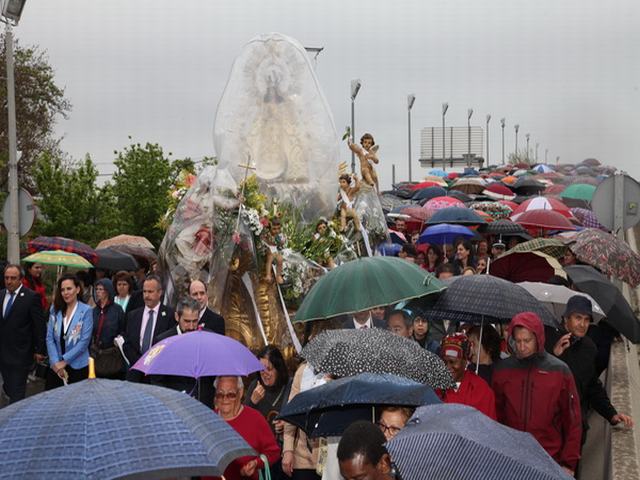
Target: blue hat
[(578, 304)]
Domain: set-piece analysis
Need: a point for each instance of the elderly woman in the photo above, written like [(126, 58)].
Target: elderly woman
[(68, 334), (249, 424)]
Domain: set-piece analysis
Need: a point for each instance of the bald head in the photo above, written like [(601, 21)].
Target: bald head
[(198, 291)]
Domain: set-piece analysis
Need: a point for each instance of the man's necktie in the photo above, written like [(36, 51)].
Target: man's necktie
[(364, 326), (9, 304), (148, 333)]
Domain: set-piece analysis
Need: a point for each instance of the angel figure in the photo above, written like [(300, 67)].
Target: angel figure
[(367, 153), (349, 187), (274, 241), (322, 237)]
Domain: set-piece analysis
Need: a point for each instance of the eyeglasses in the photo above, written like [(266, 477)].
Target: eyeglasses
[(226, 396), (392, 431)]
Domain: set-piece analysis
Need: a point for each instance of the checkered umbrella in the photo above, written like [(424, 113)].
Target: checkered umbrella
[(65, 244), (457, 442), (587, 218), (551, 246), (485, 298), (344, 353)]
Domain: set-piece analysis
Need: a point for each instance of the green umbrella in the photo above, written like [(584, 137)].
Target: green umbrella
[(366, 283), (579, 191), (58, 257)]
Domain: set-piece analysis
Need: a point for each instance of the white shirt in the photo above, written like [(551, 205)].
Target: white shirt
[(368, 323), (6, 299), (66, 321), (145, 319)]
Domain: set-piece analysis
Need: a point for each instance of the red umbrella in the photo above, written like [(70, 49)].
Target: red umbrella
[(418, 186), (419, 214), (443, 202), (509, 203), (453, 175), (526, 267), (61, 243), (542, 203), (545, 220), (499, 191), (554, 189)]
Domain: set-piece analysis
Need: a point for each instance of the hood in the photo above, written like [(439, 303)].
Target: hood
[(108, 286), (532, 322)]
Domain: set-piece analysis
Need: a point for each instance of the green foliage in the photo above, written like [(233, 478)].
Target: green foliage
[(39, 102), (70, 202), (140, 185)]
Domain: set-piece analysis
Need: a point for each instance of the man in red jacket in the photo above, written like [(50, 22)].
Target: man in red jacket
[(536, 393)]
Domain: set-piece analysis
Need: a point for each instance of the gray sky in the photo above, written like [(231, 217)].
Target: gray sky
[(567, 71)]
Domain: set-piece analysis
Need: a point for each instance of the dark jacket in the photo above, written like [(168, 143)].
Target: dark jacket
[(210, 320), (133, 320), (581, 359), (23, 332), (538, 395), (113, 324)]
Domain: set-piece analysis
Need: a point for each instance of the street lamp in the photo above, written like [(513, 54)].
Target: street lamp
[(527, 137), (488, 119), (411, 98), (546, 153), (445, 107), (537, 145), (11, 12), (516, 127), (502, 124), (355, 88), (469, 113)]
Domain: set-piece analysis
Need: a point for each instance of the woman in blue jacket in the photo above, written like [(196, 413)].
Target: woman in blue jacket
[(68, 334)]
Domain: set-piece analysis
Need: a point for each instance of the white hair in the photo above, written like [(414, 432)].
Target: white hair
[(240, 385)]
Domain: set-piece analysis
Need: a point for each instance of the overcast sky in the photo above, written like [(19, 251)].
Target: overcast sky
[(567, 71)]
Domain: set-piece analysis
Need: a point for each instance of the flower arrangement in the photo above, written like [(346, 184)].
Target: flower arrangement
[(178, 190)]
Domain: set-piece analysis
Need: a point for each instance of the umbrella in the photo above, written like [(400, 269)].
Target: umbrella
[(104, 429), (130, 240), (60, 243), (579, 191), (344, 353), (608, 254), (543, 168), (541, 203), (457, 215), (438, 203), (458, 195), (198, 354), (58, 257), (555, 298), (526, 267), (502, 227), (389, 201), (528, 185), (421, 185), (110, 259), (496, 210), (390, 249), (485, 298), (451, 441), (472, 185), (140, 252), (444, 233), (498, 191), (417, 214), (438, 172), (320, 410), (554, 190), (587, 218), (429, 193), (366, 283), (509, 203), (550, 246), (544, 220), (436, 179), (618, 311)]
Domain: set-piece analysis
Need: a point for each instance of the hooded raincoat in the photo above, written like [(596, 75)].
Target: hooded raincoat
[(108, 320)]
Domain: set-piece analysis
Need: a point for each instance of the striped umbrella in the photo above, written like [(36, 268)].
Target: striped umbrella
[(541, 203), (59, 258), (451, 441), (544, 220)]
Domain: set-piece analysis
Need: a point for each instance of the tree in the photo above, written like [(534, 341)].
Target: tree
[(71, 203), (39, 102), (140, 185)]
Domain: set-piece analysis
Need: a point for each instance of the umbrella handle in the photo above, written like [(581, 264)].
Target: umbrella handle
[(479, 344)]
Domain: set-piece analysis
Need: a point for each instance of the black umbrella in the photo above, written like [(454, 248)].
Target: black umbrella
[(502, 227), (486, 299), (110, 259), (428, 193), (320, 411), (456, 215), (463, 197), (528, 186), (619, 313), (344, 353)]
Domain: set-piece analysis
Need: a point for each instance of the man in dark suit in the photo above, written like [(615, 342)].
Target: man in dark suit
[(22, 332), (209, 319), (144, 324), (187, 317), (363, 320)]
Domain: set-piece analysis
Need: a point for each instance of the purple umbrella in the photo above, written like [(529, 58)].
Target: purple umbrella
[(198, 354)]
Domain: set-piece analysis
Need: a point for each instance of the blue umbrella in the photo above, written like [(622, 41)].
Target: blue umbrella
[(428, 193), (457, 215), (329, 409), (457, 442), (103, 429), (444, 233), (438, 172), (390, 249)]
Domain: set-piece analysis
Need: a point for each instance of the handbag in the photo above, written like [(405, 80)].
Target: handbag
[(107, 361), (265, 473)]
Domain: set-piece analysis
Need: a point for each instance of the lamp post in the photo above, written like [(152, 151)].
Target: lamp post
[(469, 113), (11, 12), (502, 124), (546, 153), (445, 107), (516, 127), (537, 145), (411, 98), (488, 120), (527, 137), (355, 88)]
